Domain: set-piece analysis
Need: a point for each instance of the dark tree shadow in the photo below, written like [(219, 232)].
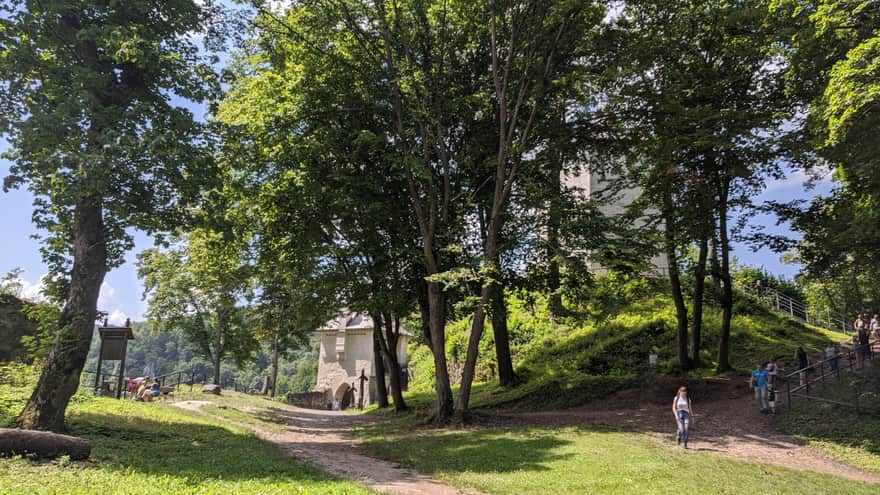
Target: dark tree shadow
[(481, 451), (196, 451)]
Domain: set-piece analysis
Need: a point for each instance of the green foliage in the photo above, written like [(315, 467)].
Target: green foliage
[(751, 276), (46, 316), (153, 448), (606, 348), (17, 381), (87, 109), (834, 71), (14, 327), (196, 287), (301, 374), (583, 460)]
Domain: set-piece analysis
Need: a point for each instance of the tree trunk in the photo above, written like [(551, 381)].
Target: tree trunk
[(727, 286), (443, 406), (473, 351), (502, 336), (424, 312), (218, 342), (714, 265), (681, 315), (59, 379), (389, 349), (554, 302), (379, 365), (554, 221), (43, 444), (274, 366), (699, 289)]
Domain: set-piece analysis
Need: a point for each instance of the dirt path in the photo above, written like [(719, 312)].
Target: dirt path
[(323, 439), (727, 424)]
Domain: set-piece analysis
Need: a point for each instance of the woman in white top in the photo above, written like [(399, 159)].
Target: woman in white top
[(683, 411)]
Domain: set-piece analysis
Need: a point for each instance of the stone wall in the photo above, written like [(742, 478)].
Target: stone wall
[(308, 400)]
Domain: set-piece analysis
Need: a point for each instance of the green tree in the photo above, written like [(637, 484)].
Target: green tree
[(532, 46), (195, 286), (834, 72), (392, 78), (86, 96), (705, 97)]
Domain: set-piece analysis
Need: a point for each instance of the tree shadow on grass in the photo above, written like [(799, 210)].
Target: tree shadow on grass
[(481, 451), (194, 450)]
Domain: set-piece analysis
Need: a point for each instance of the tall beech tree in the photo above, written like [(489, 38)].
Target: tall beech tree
[(86, 97)]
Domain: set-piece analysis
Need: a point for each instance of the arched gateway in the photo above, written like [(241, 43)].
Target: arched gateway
[(346, 350)]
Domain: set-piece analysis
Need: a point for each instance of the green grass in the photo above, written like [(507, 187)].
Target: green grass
[(840, 432), (16, 384), (261, 418), (571, 460), (155, 448), (605, 347)]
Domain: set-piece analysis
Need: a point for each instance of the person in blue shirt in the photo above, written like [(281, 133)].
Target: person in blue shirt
[(758, 383)]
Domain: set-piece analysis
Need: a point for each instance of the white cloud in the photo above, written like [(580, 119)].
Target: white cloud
[(107, 296), (32, 292), (117, 317), (798, 180), (24, 289), (107, 302), (794, 179)]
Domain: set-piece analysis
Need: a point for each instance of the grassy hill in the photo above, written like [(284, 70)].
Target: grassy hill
[(604, 346)]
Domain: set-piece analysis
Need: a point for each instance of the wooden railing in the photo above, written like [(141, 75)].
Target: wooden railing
[(826, 370), (788, 305), (174, 379)]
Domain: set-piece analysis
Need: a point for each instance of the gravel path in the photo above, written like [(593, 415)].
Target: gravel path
[(323, 439)]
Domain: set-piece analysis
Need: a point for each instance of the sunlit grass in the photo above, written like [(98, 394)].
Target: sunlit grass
[(571, 460), (155, 448)]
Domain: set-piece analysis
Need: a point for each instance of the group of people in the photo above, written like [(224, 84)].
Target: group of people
[(144, 389), (765, 377), (763, 381)]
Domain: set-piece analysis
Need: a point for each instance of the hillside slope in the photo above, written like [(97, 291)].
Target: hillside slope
[(604, 347)]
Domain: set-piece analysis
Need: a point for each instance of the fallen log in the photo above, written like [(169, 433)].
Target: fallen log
[(44, 444)]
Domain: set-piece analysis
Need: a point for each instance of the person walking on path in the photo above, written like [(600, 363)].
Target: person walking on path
[(758, 383), (800, 356), (875, 326), (772, 373), (683, 411), (831, 355), (863, 351)]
